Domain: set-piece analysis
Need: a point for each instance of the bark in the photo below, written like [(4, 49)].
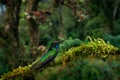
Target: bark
[(33, 29), (115, 9), (10, 33)]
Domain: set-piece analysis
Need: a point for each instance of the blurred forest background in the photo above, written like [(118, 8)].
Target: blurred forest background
[(28, 27)]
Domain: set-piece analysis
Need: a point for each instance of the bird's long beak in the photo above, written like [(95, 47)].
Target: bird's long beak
[(61, 41)]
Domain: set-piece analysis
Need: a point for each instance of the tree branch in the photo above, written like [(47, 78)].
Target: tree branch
[(115, 9)]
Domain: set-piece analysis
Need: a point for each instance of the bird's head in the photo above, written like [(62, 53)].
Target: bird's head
[(55, 45)]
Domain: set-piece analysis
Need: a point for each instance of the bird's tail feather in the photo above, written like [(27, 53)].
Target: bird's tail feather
[(35, 65)]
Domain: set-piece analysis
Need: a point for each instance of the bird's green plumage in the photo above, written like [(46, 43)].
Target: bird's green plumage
[(46, 57), (48, 54)]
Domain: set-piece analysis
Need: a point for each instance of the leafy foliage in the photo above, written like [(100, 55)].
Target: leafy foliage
[(115, 65), (114, 40), (84, 69), (3, 60), (3, 66), (95, 26), (104, 7), (69, 43), (116, 30), (97, 70)]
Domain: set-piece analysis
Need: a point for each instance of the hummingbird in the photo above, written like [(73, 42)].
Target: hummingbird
[(47, 57)]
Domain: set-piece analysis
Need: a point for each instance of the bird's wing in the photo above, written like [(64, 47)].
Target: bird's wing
[(46, 56)]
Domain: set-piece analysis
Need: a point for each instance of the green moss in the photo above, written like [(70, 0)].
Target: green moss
[(96, 48), (21, 73)]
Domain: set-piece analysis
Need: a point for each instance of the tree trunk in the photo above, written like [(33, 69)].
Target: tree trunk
[(11, 29), (33, 29)]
